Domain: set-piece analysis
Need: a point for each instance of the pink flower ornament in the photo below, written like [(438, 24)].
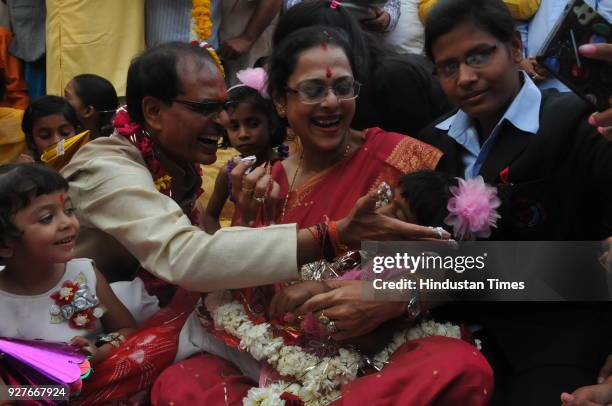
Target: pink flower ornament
[(472, 209), (254, 78)]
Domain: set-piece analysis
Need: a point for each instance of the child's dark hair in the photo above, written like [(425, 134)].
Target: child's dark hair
[(427, 192), (248, 95), (19, 184), (95, 91), (43, 107), (492, 16), (261, 62), (285, 55)]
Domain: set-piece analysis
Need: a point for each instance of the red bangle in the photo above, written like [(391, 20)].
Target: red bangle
[(339, 248)]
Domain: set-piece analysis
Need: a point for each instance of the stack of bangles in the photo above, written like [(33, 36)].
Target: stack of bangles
[(114, 339), (326, 234)]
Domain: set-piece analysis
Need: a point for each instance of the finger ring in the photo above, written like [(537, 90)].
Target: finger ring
[(331, 327), (439, 231), (260, 199), (323, 319)]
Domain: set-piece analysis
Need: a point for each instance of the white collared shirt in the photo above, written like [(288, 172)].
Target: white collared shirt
[(523, 113)]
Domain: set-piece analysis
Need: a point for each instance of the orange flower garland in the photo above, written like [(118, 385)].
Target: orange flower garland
[(201, 13), (202, 27)]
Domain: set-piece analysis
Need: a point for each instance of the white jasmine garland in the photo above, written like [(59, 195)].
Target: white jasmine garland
[(317, 380)]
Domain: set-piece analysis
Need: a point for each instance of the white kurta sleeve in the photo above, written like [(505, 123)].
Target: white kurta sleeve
[(118, 197)]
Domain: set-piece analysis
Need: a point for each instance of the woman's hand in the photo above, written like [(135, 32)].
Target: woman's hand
[(365, 223), (352, 315), (251, 191), (291, 297)]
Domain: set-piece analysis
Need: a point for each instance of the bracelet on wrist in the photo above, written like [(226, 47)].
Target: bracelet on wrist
[(114, 339)]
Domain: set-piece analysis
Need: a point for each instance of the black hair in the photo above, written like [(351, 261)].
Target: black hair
[(309, 13), (154, 73), (427, 192), (19, 184), (285, 56), (492, 16), (248, 95), (2, 85), (96, 91), (43, 107), (261, 62)]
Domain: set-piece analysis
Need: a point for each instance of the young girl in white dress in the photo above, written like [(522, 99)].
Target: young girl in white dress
[(44, 293)]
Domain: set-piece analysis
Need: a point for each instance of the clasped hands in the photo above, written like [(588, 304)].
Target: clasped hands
[(337, 301)]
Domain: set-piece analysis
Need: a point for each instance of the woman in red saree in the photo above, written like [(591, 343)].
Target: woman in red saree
[(311, 80)]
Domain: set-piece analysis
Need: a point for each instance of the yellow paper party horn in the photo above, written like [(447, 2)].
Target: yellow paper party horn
[(58, 155)]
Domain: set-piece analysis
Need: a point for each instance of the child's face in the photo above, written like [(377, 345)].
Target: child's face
[(49, 230), (50, 130), (401, 208), (248, 130)]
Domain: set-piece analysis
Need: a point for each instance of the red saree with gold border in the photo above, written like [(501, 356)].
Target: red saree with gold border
[(383, 157)]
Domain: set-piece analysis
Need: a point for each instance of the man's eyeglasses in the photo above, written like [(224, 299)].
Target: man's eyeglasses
[(476, 59), (311, 92), (207, 109)]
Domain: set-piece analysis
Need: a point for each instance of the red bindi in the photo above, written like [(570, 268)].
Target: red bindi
[(328, 72), (62, 198)]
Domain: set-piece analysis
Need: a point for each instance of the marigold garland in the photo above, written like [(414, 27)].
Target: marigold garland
[(202, 28), (201, 13), (212, 53)]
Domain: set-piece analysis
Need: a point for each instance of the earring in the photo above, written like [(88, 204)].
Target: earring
[(2, 267), (281, 111)]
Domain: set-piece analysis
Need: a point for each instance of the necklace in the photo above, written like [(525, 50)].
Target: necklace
[(295, 174)]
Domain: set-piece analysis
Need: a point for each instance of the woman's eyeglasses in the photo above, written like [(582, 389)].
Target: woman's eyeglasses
[(207, 109), (311, 92), (476, 59)]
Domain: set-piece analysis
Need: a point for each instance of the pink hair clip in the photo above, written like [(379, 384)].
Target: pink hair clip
[(254, 78), (472, 209), (334, 4)]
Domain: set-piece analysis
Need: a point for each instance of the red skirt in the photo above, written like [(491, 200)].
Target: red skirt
[(429, 371)]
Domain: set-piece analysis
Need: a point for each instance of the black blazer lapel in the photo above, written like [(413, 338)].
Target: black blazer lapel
[(508, 146), (451, 162)]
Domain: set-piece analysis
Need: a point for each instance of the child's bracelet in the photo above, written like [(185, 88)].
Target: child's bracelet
[(114, 339)]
